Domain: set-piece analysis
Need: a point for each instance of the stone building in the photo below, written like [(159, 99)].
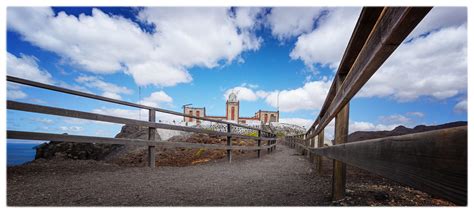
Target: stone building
[(232, 113)]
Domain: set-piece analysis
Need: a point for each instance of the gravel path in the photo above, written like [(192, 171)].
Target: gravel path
[(283, 178)]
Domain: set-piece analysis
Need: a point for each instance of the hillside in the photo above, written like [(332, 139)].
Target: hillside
[(400, 130)]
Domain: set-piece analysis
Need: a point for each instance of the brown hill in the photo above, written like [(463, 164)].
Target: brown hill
[(400, 130)]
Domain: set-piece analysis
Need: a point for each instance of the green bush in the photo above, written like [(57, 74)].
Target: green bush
[(199, 152), (253, 134)]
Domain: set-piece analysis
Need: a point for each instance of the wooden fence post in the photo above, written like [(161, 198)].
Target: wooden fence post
[(268, 144), (259, 142), (274, 142), (151, 137), (341, 131), (319, 158), (229, 143)]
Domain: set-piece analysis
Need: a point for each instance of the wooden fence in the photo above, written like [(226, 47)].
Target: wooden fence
[(151, 124), (434, 162)]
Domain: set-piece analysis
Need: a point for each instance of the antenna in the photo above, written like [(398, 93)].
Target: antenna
[(278, 101)]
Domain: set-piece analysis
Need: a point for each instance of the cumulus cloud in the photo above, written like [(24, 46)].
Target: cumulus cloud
[(433, 66), (108, 89), (16, 94), (136, 114), (43, 120), (71, 129), (461, 106), (325, 45), (244, 93), (310, 96), (183, 38), (438, 18), (416, 114), (306, 123), (286, 22), (156, 98), (368, 126), (396, 118), (27, 67)]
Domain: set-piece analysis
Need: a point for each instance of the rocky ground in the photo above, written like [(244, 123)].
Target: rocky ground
[(283, 178)]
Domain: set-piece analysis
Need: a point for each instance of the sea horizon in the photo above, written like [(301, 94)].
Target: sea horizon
[(21, 151)]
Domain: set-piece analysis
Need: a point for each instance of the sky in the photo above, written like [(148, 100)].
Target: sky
[(167, 57)]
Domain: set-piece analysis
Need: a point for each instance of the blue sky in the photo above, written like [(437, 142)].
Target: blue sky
[(198, 55)]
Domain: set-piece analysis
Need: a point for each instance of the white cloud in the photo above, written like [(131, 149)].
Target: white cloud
[(156, 98), (416, 114), (325, 45), (183, 38), (368, 126), (108, 89), (306, 123), (124, 113), (461, 106), (27, 67), (433, 66), (438, 18), (247, 17), (396, 118), (71, 129), (243, 93), (43, 120), (16, 94), (136, 114), (309, 97), (286, 22)]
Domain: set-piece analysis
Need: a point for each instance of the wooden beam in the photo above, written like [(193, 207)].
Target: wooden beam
[(14, 105), (367, 19), (434, 162), (392, 27), (91, 139)]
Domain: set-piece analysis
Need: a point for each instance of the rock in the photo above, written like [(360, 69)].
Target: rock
[(381, 196), (135, 132)]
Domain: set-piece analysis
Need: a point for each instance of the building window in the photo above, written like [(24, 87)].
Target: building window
[(190, 118), (198, 113), (272, 118), (265, 118), (232, 113)]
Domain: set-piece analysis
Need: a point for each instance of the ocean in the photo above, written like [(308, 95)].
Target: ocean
[(20, 153)]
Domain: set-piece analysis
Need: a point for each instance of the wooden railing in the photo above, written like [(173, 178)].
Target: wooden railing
[(435, 161), (151, 124)]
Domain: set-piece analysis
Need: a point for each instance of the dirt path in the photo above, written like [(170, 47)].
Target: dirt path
[(280, 179), (283, 178)]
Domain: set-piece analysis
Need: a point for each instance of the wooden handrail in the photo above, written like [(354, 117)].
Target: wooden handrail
[(116, 101), (92, 139), (392, 27), (14, 105)]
